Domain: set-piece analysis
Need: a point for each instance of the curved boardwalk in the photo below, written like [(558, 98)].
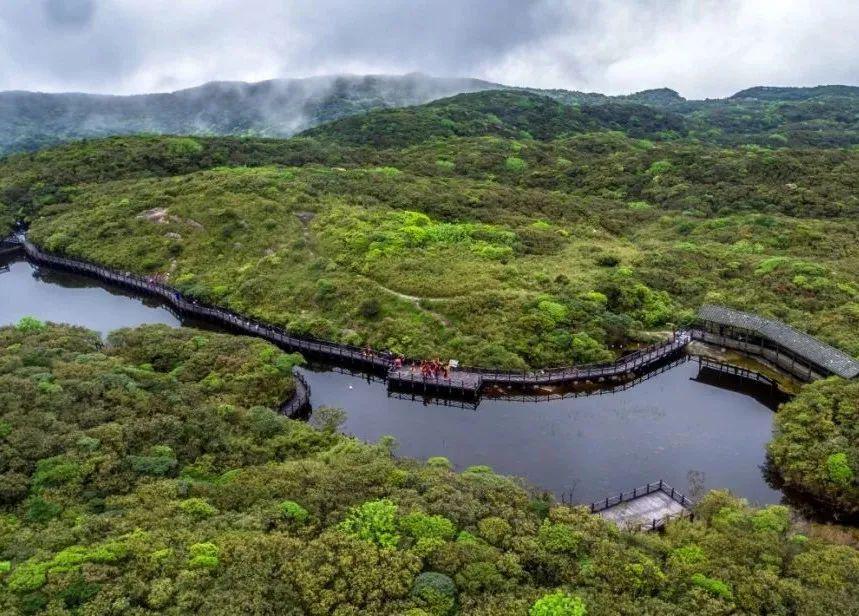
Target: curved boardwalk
[(464, 382), (299, 402)]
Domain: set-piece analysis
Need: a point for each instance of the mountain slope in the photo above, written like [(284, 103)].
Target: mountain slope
[(30, 120), (498, 113)]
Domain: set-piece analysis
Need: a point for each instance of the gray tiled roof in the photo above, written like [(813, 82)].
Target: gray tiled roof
[(808, 347)]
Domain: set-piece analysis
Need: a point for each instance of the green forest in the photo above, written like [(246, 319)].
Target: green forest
[(147, 474), (507, 228)]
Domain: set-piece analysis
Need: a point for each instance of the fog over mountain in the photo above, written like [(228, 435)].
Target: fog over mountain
[(284, 107), (275, 108)]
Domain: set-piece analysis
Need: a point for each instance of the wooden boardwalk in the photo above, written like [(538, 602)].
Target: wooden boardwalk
[(9, 247), (646, 508), (467, 384), (464, 382), (299, 402)]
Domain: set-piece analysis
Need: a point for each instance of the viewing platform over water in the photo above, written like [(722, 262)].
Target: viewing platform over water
[(463, 383), (649, 507)]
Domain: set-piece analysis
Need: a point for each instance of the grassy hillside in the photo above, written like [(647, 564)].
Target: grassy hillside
[(493, 250), (146, 476)]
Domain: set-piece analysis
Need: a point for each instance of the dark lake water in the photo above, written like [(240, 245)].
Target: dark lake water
[(664, 428)]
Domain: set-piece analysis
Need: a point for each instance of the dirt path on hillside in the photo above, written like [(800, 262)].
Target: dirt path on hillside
[(416, 301)]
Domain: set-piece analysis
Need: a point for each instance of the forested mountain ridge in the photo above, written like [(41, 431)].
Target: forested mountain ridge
[(498, 113), (279, 107), (775, 93), (821, 116), (815, 121)]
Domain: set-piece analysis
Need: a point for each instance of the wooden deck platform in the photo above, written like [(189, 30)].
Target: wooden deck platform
[(646, 508), (466, 384)]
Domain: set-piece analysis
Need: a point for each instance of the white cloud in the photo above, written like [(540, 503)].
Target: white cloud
[(703, 48)]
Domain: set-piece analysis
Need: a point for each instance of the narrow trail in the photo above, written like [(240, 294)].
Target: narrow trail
[(416, 301), (306, 217)]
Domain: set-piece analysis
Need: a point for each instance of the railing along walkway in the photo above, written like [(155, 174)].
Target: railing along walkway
[(300, 400), (9, 246), (624, 366), (654, 512), (465, 379)]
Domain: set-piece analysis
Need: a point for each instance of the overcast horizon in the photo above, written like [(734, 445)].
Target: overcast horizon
[(702, 49)]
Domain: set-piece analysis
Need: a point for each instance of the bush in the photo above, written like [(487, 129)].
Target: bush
[(514, 164), (439, 462), (559, 538), (370, 308), (197, 508), (558, 604), (715, 587), (203, 556), (373, 521), (436, 593), (293, 511), (30, 324), (27, 577), (422, 526), (775, 518), (157, 466), (838, 469), (494, 529), (480, 577), (327, 419), (41, 511)]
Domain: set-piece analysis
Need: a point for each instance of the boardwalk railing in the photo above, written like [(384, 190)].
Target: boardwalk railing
[(533, 396), (627, 364), (745, 373), (205, 310), (9, 246), (650, 488), (300, 399), (341, 353)]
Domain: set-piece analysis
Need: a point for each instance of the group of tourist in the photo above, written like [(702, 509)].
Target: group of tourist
[(433, 369)]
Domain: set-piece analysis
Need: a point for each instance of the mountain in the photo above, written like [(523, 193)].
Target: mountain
[(771, 93), (275, 108), (517, 114), (822, 116)]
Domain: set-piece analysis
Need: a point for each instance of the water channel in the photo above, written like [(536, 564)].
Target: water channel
[(664, 428)]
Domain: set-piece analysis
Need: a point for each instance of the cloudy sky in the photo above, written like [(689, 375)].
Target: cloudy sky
[(702, 48)]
